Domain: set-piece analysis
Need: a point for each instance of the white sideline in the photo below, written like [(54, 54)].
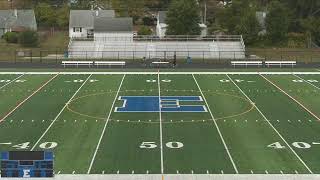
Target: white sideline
[(217, 127), (11, 81), (45, 132), (178, 177), (105, 127), (306, 81), (305, 165), (155, 73), (160, 124), (299, 103)]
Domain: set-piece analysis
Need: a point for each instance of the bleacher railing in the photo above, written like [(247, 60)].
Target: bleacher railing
[(167, 38)]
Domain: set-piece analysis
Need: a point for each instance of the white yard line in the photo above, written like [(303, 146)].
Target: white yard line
[(305, 108), (58, 115), (305, 165), (307, 81), (22, 102), (160, 123), (11, 81), (155, 73), (217, 127), (105, 127)]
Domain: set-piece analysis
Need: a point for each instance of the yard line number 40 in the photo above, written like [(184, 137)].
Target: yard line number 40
[(45, 145), (299, 145)]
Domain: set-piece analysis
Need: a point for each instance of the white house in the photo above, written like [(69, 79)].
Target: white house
[(17, 21), (81, 24), (162, 26)]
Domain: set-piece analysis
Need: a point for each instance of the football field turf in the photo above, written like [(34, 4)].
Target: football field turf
[(165, 123)]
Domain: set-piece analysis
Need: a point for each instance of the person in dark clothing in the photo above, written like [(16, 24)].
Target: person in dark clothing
[(174, 63)]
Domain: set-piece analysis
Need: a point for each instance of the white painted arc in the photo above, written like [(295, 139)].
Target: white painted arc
[(217, 127), (105, 126)]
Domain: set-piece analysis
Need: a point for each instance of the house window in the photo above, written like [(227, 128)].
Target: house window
[(77, 29)]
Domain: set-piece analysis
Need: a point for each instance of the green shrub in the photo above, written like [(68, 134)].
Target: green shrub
[(29, 39), (144, 30), (148, 21), (11, 37)]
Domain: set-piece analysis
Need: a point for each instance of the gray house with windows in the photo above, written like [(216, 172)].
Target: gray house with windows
[(81, 24), (17, 21)]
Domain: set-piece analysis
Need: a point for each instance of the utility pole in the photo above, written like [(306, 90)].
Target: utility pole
[(205, 12)]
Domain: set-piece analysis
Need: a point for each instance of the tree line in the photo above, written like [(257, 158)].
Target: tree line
[(287, 22)]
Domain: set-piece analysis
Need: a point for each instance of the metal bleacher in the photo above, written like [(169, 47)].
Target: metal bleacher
[(217, 47)]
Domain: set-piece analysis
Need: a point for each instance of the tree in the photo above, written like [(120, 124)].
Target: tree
[(183, 18), (63, 16), (45, 15), (230, 16), (249, 27), (277, 22), (312, 27)]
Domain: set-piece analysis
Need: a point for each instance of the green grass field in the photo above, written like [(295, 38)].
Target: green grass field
[(252, 123)]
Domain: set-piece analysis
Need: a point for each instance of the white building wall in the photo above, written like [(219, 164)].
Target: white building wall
[(161, 30), (113, 36), (82, 34)]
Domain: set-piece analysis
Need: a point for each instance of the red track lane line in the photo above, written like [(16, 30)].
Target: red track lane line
[(314, 115), (34, 92)]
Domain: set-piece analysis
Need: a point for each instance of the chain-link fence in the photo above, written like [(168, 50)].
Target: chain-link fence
[(205, 57)]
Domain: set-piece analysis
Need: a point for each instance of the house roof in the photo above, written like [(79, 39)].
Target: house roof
[(162, 15), (113, 24), (22, 19), (85, 18)]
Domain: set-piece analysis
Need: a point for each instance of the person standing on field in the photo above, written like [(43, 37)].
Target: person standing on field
[(174, 63)]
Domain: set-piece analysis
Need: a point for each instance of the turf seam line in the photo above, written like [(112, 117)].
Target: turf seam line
[(105, 126), (11, 81), (217, 127), (306, 81), (155, 72), (22, 102), (299, 103), (292, 150), (160, 124), (58, 115)]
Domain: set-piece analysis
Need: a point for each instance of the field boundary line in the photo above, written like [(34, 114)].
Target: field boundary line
[(58, 115), (299, 103), (105, 126), (22, 102), (307, 81), (11, 81), (160, 124), (217, 127), (173, 72), (283, 139)]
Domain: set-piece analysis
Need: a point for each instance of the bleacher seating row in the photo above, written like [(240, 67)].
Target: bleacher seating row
[(266, 63), (93, 63)]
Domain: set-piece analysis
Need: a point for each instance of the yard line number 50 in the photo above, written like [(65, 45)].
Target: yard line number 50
[(152, 145)]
